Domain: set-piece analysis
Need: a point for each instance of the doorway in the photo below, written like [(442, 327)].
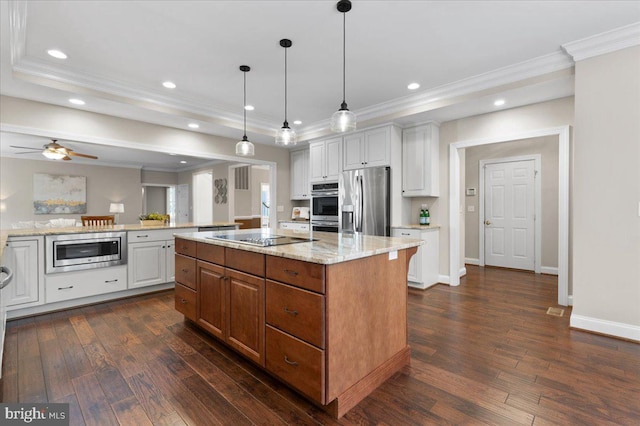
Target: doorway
[(455, 202), (509, 212), (203, 197)]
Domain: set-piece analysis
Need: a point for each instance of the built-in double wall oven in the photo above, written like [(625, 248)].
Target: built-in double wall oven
[(324, 207), (72, 252)]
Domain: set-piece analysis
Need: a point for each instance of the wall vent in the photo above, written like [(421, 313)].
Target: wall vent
[(242, 178)]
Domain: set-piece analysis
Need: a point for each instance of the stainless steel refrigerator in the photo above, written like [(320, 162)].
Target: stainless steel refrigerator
[(363, 201)]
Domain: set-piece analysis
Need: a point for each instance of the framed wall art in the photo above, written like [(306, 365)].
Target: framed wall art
[(59, 194)]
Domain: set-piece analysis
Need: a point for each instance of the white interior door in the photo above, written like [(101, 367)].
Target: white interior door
[(203, 197), (509, 225)]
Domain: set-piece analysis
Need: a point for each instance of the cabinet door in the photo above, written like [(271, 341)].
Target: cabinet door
[(317, 158), (300, 175), (245, 315), (420, 159), (333, 162), (170, 256), (211, 298), (22, 258), (147, 264), (352, 152), (377, 147), (414, 273)]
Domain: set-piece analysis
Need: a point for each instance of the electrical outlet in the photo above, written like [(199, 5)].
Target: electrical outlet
[(471, 208), (280, 209)]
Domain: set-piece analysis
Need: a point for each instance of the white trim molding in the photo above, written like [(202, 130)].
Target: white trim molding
[(611, 328), (471, 261), (455, 212), (549, 270), (444, 279), (607, 42)]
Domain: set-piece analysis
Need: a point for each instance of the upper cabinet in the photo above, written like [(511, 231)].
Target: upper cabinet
[(300, 175), (370, 148), (420, 160), (325, 160)]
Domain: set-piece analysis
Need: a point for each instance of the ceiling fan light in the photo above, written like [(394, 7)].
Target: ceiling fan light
[(285, 136), (343, 121), (53, 154)]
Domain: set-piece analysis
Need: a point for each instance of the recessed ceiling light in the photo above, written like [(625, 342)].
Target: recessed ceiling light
[(413, 86), (57, 54), (172, 153), (499, 102), (194, 125), (76, 101), (169, 85), (249, 107), (183, 162), (297, 122)]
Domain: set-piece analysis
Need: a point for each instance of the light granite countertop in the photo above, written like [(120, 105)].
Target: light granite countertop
[(416, 226), (27, 232), (329, 247)]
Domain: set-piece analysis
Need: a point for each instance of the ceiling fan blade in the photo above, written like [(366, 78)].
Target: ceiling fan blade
[(28, 152), (67, 158), (26, 147), (77, 154)]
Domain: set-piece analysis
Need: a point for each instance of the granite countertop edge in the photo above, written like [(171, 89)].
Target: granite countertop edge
[(417, 226)]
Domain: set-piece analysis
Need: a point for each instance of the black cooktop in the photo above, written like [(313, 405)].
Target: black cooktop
[(260, 239)]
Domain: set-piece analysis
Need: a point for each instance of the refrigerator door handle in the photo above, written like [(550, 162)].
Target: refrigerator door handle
[(361, 211)]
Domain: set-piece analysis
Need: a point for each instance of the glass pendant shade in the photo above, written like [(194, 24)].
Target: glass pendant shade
[(245, 148), (286, 136), (343, 120)]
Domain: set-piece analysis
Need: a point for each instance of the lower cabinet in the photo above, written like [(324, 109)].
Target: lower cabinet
[(424, 265), (24, 256), (74, 285), (211, 298)]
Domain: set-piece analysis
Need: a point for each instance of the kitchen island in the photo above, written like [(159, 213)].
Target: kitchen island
[(327, 313)]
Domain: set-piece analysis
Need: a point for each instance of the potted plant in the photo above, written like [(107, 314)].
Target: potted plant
[(153, 219)]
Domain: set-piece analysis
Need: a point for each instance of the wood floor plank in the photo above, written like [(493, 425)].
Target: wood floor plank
[(115, 387), (130, 412), (57, 381), (75, 412), (158, 409), (75, 358), (93, 402)]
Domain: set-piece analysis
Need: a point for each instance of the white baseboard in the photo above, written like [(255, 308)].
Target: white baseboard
[(550, 270), (444, 279), (472, 261), (570, 300), (611, 328)]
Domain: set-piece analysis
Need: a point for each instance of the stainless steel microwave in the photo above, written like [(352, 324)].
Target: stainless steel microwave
[(72, 252)]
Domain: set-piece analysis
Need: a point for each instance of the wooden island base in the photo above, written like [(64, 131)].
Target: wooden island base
[(334, 332)]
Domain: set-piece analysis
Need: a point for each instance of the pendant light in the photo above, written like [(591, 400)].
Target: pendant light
[(244, 147), (285, 135), (343, 120)]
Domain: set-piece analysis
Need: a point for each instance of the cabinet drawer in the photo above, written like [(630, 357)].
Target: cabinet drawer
[(185, 301), (186, 247), (407, 233), (298, 312), (186, 271), (73, 285), (245, 261), (296, 362), (210, 253), (301, 274)]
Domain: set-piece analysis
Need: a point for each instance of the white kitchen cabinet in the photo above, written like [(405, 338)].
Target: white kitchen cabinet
[(90, 282), (300, 175), (325, 159), (424, 265), (151, 257), (369, 148), (420, 160), (295, 226), (24, 256)]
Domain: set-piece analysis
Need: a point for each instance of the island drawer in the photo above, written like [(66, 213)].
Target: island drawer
[(244, 261), (296, 362), (307, 275), (73, 285), (296, 311), (210, 253), (185, 301), (186, 247), (186, 271)]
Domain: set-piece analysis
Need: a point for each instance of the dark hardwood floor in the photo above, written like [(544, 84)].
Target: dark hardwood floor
[(485, 352)]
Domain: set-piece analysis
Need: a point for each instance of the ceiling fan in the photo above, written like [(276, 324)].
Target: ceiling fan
[(55, 151)]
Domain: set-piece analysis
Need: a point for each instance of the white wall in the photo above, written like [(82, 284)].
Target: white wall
[(105, 185), (606, 222)]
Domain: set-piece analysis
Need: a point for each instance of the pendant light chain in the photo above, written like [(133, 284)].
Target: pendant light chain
[(285, 87), (344, 60), (244, 104)]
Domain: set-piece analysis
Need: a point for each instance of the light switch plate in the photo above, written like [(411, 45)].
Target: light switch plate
[(471, 208), (280, 209)]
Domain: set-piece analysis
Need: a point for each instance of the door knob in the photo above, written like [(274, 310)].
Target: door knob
[(487, 222)]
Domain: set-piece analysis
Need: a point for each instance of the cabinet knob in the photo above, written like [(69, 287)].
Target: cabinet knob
[(185, 270), (289, 362), (183, 301)]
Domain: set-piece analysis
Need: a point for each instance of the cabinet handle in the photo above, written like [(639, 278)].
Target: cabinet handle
[(65, 288), (142, 236), (290, 272), (185, 270), (183, 301), (111, 281), (404, 233), (289, 362), (290, 312)]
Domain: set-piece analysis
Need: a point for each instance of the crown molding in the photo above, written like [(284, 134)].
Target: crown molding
[(607, 42)]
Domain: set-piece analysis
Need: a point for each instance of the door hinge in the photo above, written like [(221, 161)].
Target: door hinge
[(535, 173)]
